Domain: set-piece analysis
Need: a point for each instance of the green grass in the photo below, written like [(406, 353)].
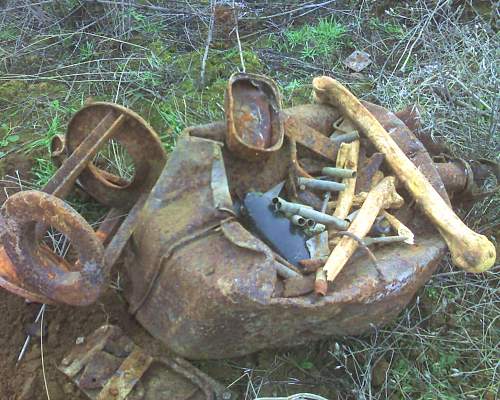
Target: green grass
[(54, 127), (316, 41), (172, 120), (87, 51), (392, 29), (42, 171), (8, 32)]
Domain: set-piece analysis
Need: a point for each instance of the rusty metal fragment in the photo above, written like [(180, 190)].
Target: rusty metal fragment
[(63, 180), (126, 376), (138, 138), (456, 176), (52, 276), (254, 125), (58, 150), (310, 138), (367, 171), (29, 268), (108, 365)]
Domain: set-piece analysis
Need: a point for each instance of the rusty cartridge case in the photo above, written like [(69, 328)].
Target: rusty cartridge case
[(298, 220), (319, 217), (338, 172), (318, 184)]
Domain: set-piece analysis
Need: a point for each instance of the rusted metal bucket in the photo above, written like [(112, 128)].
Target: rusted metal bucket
[(201, 283)]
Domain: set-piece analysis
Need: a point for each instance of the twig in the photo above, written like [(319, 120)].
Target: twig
[(207, 46), (41, 353), (28, 338), (243, 69)]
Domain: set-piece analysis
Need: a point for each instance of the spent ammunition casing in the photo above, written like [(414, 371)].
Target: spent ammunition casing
[(338, 172), (298, 220), (351, 216), (319, 217), (317, 184), (310, 223)]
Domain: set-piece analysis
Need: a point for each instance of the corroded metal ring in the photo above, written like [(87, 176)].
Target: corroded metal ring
[(43, 272), (140, 141)]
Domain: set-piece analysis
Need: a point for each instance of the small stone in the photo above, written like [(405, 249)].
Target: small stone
[(358, 61), (80, 340)]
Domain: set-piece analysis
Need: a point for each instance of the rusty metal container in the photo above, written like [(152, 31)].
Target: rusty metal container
[(205, 286), (254, 126)]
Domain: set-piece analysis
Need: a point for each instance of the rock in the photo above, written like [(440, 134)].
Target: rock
[(358, 61)]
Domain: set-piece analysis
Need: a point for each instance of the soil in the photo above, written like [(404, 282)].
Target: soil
[(64, 326), (15, 164)]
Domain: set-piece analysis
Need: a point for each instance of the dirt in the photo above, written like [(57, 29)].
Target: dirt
[(64, 326), (15, 164)]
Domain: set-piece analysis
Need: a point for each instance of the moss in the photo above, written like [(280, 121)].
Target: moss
[(18, 90), (11, 90), (219, 65), (26, 130), (163, 54)]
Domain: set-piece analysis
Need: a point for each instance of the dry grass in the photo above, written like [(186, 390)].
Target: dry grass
[(439, 55)]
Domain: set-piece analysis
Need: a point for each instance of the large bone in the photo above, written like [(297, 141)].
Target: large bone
[(469, 250), (382, 195)]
